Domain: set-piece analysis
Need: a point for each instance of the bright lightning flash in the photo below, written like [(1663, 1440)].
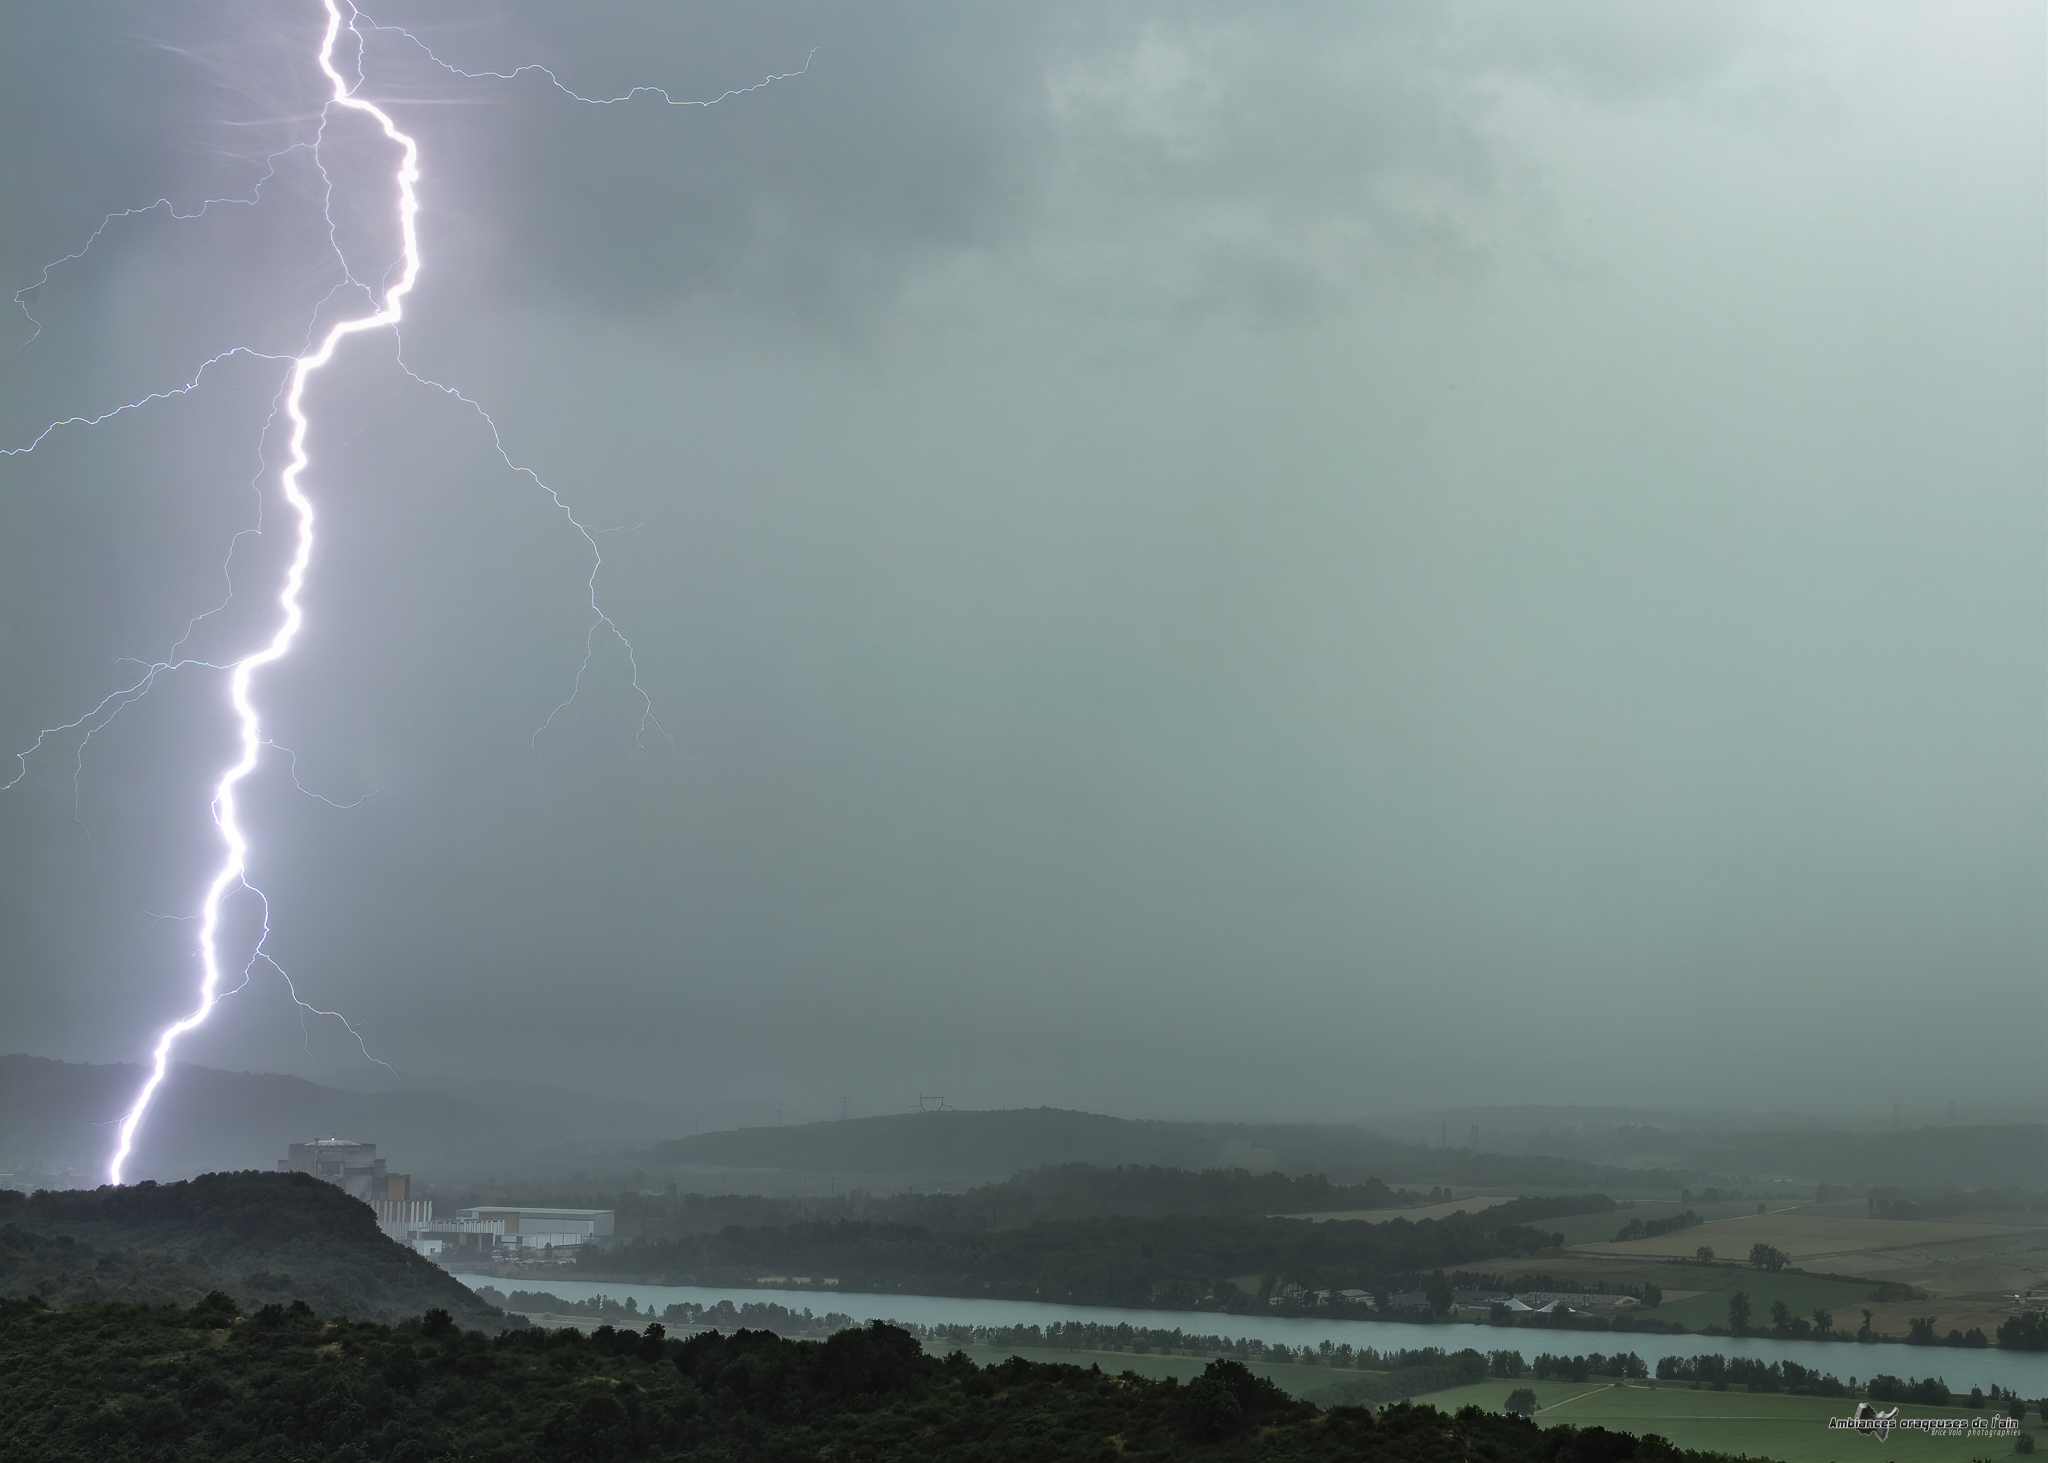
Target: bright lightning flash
[(231, 875)]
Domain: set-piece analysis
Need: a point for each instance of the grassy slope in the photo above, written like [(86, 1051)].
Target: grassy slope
[(1789, 1429)]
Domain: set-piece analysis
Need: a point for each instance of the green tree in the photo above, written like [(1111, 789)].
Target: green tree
[(1768, 1257), (1823, 1323), (1438, 1292), (1704, 1254), (1781, 1316), (1521, 1402), (2028, 1332), (1738, 1312)]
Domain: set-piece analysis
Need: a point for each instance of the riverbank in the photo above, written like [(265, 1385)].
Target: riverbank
[(2025, 1373)]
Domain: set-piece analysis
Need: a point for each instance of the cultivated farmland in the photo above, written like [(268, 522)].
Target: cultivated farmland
[(1774, 1425), (1810, 1238)]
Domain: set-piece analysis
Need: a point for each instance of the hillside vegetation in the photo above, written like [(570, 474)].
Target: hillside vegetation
[(1176, 1261), (970, 1145), (257, 1237), (206, 1383)]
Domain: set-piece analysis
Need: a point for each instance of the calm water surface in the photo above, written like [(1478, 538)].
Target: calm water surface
[(2022, 1372)]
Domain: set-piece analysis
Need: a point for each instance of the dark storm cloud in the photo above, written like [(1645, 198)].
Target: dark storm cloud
[(1217, 156), (914, 129), (1281, 560)]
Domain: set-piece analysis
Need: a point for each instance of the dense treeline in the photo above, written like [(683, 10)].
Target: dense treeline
[(255, 1236), (1529, 1211), (205, 1383), (1719, 1372), (723, 1315), (1651, 1229), (2025, 1332), (1056, 1336), (1054, 1191), (1179, 1261)]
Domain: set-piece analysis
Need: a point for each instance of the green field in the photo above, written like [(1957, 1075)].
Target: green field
[(1761, 1425), (1772, 1425), (1591, 1229), (1804, 1293)]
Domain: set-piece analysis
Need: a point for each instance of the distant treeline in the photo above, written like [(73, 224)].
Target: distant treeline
[(1178, 1262), (1062, 1191), (1528, 1211), (1650, 1229), (1057, 1191), (1388, 1376), (753, 1316)]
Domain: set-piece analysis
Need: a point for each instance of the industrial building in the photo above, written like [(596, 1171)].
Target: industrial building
[(539, 1229), (348, 1165), (483, 1231)]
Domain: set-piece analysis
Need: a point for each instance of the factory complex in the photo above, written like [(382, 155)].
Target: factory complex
[(483, 1231)]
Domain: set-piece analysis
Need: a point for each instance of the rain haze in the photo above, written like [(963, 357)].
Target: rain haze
[(1274, 562)]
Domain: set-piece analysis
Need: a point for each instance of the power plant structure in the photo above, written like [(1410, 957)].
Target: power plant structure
[(483, 1231)]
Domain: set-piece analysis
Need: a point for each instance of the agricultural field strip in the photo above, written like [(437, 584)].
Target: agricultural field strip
[(1802, 1236), (1780, 1425)]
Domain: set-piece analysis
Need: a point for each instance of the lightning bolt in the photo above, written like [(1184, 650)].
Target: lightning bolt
[(230, 876), (232, 873)]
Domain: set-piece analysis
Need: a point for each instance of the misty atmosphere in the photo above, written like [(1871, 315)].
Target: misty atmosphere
[(1299, 677)]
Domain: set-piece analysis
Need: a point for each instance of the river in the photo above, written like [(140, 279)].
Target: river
[(2018, 1371)]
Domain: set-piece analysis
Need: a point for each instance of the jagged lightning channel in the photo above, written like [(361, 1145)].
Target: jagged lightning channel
[(231, 875), (234, 865)]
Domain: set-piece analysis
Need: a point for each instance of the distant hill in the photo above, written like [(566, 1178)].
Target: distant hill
[(966, 1147), (54, 1118), (1999, 1156), (2011, 1152), (259, 1237), (56, 1114)]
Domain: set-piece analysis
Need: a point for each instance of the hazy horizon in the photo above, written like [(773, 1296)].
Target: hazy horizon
[(1286, 562)]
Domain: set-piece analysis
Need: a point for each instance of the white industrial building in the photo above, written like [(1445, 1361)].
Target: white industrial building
[(540, 1229), (483, 1229)]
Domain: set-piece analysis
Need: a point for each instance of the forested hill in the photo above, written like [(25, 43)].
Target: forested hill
[(257, 1237), (118, 1382), (1086, 1190), (1176, 1262), (982, 1145)]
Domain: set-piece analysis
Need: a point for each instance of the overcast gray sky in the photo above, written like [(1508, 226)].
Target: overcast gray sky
[(1212, 560)]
